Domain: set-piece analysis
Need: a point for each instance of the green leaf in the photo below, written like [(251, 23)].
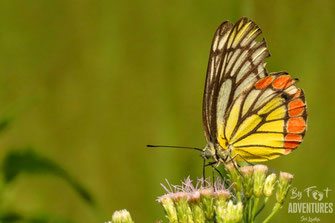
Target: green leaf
[(13, 217), (10, 217), (46, 218), (4, 123), (29, 162)]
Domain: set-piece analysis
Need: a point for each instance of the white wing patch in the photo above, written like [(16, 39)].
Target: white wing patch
[(245, 84), (264, 98), (215, 43), (223, 40), (224, 94), (249, 100)]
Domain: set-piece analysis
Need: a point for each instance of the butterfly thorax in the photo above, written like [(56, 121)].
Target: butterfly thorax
[(217, 152)]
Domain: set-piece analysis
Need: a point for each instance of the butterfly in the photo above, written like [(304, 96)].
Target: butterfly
[(248, 114)]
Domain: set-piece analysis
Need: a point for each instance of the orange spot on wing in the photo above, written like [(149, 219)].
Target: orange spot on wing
[(289, 83), (297, 94), (264, 82), (293, 137), (292, 141), (281, 81), (287, 151), (291, 144), (296, 107), (296, 125)]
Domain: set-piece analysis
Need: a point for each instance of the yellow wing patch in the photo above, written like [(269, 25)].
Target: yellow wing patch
[(248, 125), (278, 113), (268, 140), (233, 118), (256, 154), (272, 126), (271, 105)]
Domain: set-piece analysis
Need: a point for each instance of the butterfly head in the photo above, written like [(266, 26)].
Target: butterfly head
[(208, 152)]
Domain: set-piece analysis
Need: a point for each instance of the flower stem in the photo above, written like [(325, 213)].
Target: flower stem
[(254, 209), (245, 213), (239, 196), (274, 210), (249, 211), (263, 206)]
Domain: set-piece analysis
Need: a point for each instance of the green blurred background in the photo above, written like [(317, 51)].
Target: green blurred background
[(90, 83)]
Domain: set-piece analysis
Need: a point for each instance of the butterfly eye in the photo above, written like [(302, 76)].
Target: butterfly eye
[(206, 154)]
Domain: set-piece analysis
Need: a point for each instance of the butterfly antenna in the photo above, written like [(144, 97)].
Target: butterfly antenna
[(178, 147)]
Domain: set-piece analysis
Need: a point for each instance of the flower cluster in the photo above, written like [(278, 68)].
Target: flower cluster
[(251, 183), (233, 200), (204, 202)]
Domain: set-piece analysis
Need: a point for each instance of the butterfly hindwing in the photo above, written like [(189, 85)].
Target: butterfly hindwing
[(267, 120)]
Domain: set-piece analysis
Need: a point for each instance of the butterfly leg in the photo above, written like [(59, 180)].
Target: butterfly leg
[(213, 178), (232, 159), (212, 164), (236, 166), (251, 164), (204, 172), (214, 168)]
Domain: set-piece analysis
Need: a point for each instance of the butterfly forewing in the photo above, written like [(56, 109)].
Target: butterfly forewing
[(236, 62), (213, 76)]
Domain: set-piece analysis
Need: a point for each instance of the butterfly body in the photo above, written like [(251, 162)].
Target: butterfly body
[(217, 153), (248, 113)]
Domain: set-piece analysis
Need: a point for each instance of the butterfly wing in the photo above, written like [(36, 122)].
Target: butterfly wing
[(267, 120), (236, 62)]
